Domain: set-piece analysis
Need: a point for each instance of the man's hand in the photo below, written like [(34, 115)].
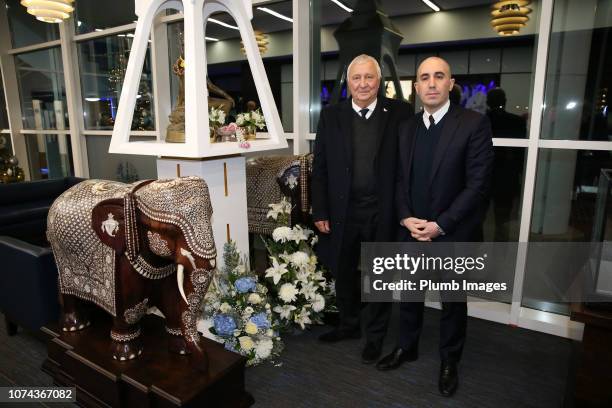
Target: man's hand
[(420, 229), (323, 226)]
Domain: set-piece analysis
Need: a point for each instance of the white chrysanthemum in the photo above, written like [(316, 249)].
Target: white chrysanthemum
[(246, 343), (276, 271), (225, 307), (302, 318), (299, 259), (318, 303), (282, 234), (287, 292), (263, 348), (284, 311), (254, 299)]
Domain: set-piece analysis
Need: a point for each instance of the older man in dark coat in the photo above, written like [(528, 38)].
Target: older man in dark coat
[(353, 184)]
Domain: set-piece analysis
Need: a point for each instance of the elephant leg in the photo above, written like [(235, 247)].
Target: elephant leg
[(74, 316), (126, 343), (170, 306)]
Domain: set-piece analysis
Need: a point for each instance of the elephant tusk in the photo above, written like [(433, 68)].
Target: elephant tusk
[(180, 277)]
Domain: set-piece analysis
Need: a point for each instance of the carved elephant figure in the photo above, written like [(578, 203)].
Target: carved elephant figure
[(127, 247)]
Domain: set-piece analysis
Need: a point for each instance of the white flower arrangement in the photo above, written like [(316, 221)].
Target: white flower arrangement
[(238, 314), (297, 288), (216, 117), (251, 120)]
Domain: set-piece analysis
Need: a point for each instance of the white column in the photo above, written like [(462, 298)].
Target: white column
[(226, 179), (301, 75), (74, 99), (546, 14), (11, 92)]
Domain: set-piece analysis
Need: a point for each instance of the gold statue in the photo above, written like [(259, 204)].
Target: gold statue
[(176, 129)]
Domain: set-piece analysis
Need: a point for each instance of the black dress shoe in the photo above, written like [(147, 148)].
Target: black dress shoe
[(449, 379), (396, 359), (339, 335), (371, 352)]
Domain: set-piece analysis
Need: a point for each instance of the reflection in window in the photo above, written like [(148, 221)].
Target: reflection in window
[(49, 156), (579, 77), (504, 211), (41, 88), (121, 167), (4, 124), (25, 29), (88, 17), (103, 62)]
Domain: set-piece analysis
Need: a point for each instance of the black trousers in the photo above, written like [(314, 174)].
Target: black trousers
[(359, 228), (453, 324)]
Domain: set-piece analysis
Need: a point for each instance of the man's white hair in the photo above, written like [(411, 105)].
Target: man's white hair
[(363, 58)]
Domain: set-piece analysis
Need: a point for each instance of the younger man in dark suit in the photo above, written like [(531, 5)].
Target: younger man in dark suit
[(444, 170)]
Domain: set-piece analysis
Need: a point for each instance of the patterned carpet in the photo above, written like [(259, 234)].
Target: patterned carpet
[(502, 367)]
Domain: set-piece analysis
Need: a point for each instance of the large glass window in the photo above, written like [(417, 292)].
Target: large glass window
[(579, 77), (41, 87), (25, 29), (121, 167), (103, 62), (88, 16), (49, 156)]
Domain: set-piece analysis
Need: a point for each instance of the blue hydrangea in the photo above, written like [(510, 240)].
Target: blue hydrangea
[(224, 325), (246, 284), (261, 320)]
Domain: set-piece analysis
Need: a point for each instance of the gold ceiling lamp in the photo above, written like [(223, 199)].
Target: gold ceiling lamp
[(262, 42), (49, 11), (510, 16)]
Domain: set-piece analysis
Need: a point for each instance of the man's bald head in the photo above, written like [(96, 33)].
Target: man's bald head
[(435, 60), (433, 83)]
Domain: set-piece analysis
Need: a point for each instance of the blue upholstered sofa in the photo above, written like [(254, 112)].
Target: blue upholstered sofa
[(28, 275)]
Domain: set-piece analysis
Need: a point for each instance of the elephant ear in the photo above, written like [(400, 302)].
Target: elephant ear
[(108, 220)]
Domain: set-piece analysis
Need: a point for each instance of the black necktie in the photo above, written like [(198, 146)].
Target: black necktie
[(432, 122), (364, 112)]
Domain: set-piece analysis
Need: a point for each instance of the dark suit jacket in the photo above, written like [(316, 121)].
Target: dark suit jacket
[(460, 174), (332, 171)]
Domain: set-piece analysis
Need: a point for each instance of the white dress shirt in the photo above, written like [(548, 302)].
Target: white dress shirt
[(437, 115), (370, 108)]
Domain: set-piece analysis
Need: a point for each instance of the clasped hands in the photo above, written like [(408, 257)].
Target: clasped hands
[(421, 230)]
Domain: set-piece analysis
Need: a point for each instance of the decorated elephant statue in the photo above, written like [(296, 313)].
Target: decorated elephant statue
[(128, 247)]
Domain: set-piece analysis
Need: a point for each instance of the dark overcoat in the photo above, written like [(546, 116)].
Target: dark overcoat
[(333, 166)]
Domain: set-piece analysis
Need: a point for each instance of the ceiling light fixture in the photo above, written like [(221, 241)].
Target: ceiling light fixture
[(275, 14), (222, 23), (342, 6), (432, 5), (262, 42), (509, 16), (49, 11)]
